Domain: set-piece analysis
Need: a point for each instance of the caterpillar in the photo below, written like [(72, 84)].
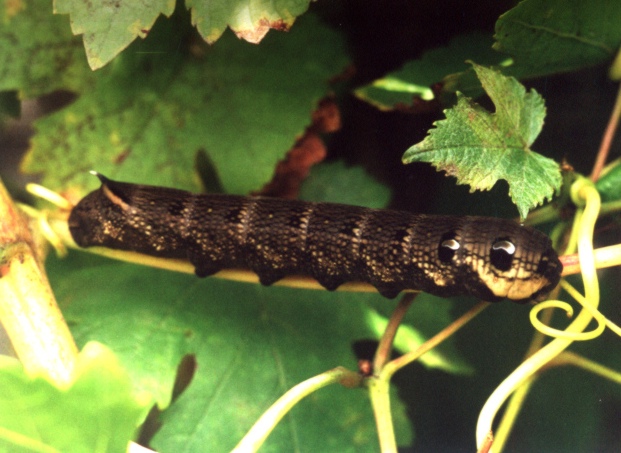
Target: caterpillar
[(484, 257)]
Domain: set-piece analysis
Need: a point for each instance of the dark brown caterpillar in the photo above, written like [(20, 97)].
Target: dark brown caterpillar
[(394, 251)]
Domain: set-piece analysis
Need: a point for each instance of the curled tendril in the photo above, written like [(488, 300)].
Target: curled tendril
[(556, 333), (586, 197), (599, 317)]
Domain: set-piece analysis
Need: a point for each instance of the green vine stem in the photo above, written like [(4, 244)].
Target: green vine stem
[(583, 192), (385, 345), (571, 358), (379, 393), (604, 257), (602, 321), (514, 406), (395, 365), (379, 384), (262, 428), (28, 309), (487, 445), (517, 399)]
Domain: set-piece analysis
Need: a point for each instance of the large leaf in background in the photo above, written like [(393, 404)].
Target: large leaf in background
[(109, 27), (479, 147), (152, 110), (38, 54), (251, 345), (10, 105), (96, 412), (544, 37), (399, 89), (334, 182), (549, 36), (609, 184)]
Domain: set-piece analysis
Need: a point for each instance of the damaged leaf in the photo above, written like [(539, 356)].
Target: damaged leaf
[(109, 27)]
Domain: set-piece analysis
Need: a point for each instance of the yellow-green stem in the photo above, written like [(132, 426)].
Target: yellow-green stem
[(253, 440)]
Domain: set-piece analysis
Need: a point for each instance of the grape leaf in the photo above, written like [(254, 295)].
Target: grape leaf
[(479, 147), (97, 412), (10, 106), (334, 182), (415, 78), (148, 115), (549, 36), (249, 19), (544, 37), (251, 344), (38, 54), (609, 184), (109, 27)]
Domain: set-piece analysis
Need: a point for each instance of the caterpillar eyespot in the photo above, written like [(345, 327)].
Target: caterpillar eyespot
[(501, 255), (505, 246), (448, 248), (332, 243), (451, 244)]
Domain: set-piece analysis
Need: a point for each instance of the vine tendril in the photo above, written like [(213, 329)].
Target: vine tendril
[(585, 196), (556, 333)]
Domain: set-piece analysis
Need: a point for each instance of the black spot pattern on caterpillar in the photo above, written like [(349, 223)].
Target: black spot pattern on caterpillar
[(391, 250)]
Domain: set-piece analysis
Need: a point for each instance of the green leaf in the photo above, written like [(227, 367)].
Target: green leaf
[(479, 147), (148, 115), (545, 37), (251, 344), (609, 184), (250, 20), (549, 36), (108, 28), (96, 413), (10, 106), (335, 183), (415, 79), (38, 54)]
